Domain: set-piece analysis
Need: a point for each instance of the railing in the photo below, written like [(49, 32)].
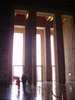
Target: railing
[(49, 93)]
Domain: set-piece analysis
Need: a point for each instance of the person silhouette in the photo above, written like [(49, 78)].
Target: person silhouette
[(24, 79), (18, 83)]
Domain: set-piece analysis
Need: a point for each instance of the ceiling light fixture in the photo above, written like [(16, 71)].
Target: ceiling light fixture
[(27, 15), (49, 18)]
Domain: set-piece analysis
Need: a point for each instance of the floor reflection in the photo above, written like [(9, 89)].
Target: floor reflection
[(53, 90), (43, 91), (15, 94)]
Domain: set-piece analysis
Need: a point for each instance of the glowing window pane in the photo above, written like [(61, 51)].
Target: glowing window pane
[(38, 56), (52, 51), (52, 58), (18, 54), (38, 49), (18, 49), (18, 71), (38, 73)]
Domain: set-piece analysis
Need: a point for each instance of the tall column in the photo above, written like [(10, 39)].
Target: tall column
[(27, 52), (48, 55), (74, 20), (6, 45), (59, 50), (31, 50), (33, 24), (73, 46), (10, 50)]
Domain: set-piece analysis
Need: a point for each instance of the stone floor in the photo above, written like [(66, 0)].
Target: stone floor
[(45, 91)]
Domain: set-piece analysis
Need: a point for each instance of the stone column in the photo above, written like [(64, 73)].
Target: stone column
[(27, 52), (59, 50), (33, 24), (10, 50), (5, 45), (73, 46), (74, 21), (43, 55), (31, 48), (48, 55)]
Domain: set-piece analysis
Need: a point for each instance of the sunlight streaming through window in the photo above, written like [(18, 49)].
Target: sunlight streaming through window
[(38, 57), (38, 49), (53, 65), (38, 62), (52, 58), (18, 54)]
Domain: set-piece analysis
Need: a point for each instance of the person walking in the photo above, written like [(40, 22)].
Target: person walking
[(18, 84), (24, 79)]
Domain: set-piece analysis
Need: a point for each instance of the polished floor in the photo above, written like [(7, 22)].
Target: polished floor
[(43, 91)]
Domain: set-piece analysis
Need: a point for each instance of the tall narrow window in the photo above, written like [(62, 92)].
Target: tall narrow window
[(52, 57), (38, 59), (18, 54), (38, 55), (38, 49)]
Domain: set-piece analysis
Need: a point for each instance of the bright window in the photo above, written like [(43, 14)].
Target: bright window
[(18, 54), (38, 56), (52, 58)]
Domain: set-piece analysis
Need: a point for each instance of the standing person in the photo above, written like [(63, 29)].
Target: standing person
[(24, 79), (18, 84)]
